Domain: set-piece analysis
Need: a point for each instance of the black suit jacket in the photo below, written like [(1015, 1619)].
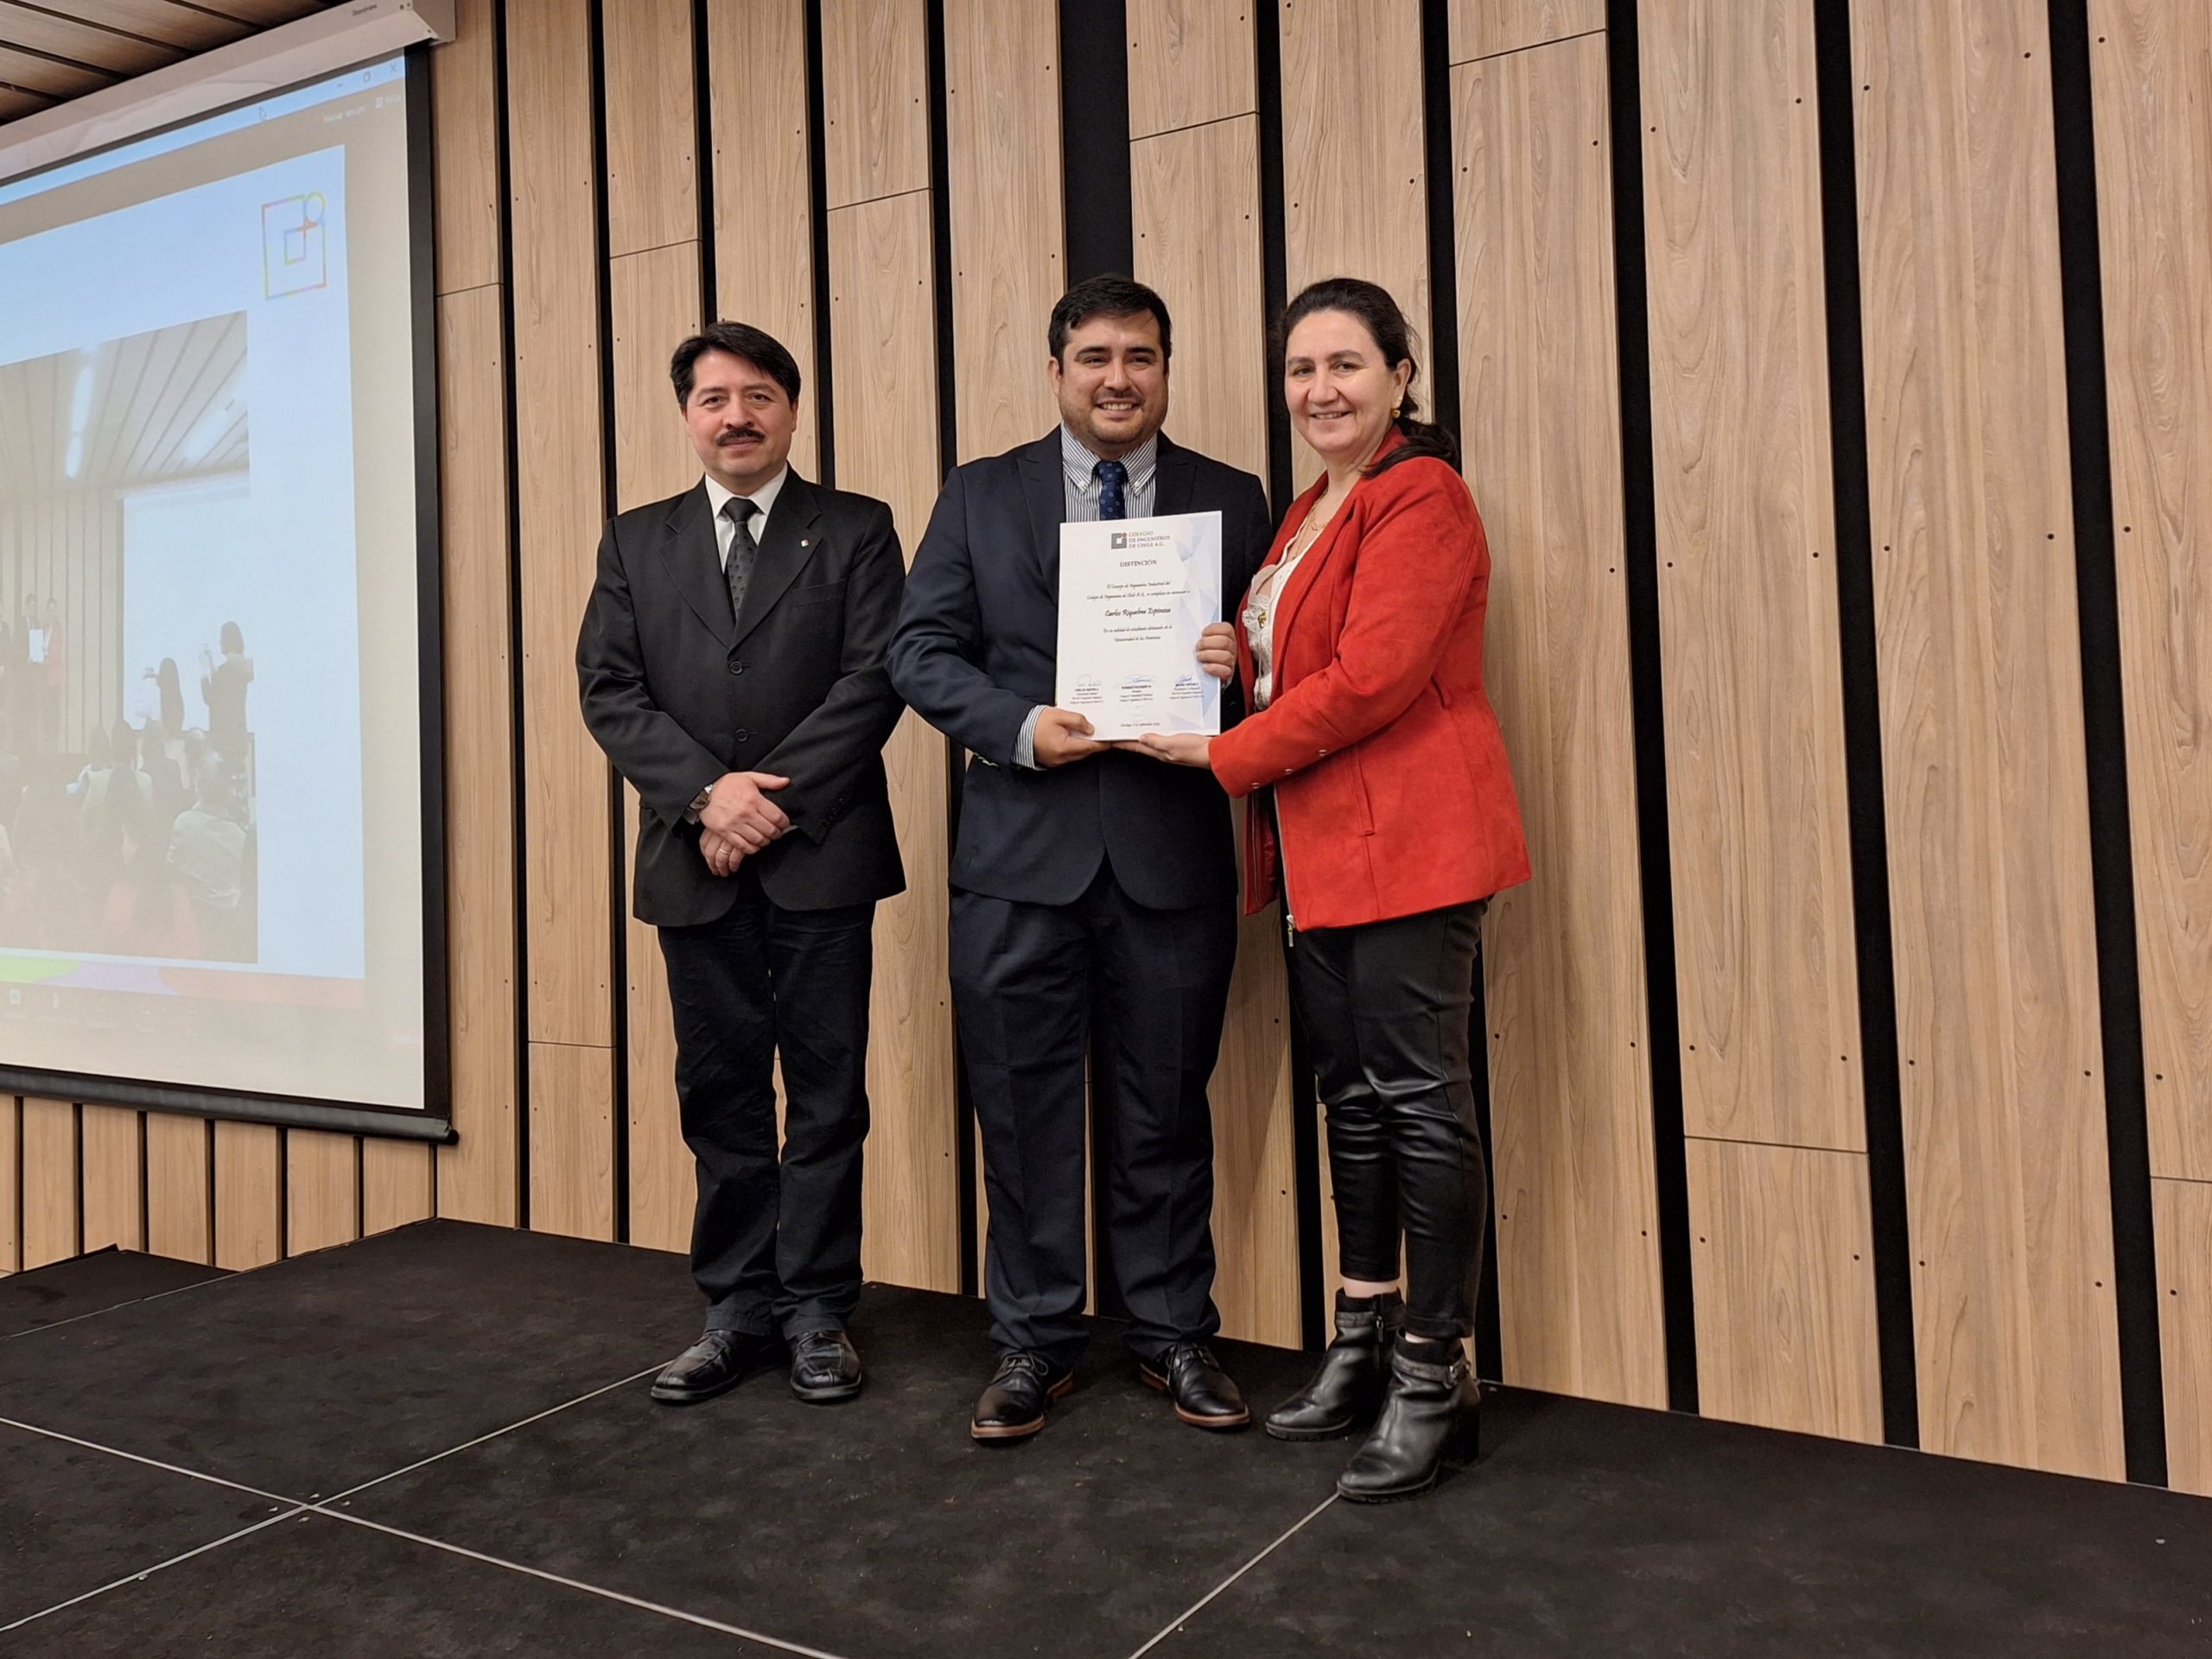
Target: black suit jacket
[(975, 652), (678, 692)]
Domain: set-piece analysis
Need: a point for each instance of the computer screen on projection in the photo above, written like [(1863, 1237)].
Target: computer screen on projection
[(212, 852)]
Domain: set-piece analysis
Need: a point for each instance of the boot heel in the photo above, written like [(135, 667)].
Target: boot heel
[(1466, 1440)]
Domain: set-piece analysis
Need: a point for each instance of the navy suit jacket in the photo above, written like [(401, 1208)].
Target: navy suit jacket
[(975, 652)]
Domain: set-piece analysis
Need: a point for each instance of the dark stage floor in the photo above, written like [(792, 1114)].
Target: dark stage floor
[(438, 1442)]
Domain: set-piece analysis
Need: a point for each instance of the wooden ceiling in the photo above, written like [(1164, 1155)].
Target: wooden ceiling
[(54, 50), (156, 407)]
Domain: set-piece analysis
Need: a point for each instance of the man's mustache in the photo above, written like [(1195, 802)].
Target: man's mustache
[(735, 432)]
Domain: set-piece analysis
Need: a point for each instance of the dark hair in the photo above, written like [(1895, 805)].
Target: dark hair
[(756, 345), (1108, 296), (233, 639), (1378, 313)]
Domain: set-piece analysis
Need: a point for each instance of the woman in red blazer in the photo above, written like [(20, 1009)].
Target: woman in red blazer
[(1380, 806)]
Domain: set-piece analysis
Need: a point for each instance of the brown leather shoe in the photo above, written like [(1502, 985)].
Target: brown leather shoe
[(1204, 1397)]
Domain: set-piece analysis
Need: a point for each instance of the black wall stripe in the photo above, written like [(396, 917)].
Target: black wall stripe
[(1101, 239), (1854, 557), (516, 751), (1440, 388), (818, 170), (2104, 730), (1095, 139), (702, 146), (947, 447), (1316, 1325), (1670, 1156), (618, 907)]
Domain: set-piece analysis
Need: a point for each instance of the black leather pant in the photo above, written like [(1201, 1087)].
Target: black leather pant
[(1385, 1009)]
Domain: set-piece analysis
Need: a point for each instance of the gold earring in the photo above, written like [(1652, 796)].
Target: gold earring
[(1396, 410)]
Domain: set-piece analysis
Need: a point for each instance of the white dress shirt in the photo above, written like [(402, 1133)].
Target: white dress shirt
[(763, 503)]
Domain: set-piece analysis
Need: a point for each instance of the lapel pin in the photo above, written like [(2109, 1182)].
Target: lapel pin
[(802, 541)]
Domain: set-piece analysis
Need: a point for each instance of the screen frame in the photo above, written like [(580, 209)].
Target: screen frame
[(433, 1121)]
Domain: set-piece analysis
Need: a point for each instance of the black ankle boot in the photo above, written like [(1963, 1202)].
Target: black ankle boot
[(1428, 1418), (1345, 1391)]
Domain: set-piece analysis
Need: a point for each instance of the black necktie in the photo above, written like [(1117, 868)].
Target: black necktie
[(1110, 476), (737, 568)]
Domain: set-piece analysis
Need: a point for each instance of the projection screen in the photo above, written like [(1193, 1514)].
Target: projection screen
[(220, 840)]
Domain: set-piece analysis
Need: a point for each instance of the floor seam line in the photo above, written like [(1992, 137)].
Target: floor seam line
[(585, 1586), (145, 1574), (154, 1462), (135, 1301), (456, 1450), (1205, 1601)]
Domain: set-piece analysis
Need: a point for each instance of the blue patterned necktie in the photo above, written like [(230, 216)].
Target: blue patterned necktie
[(1111, 476)]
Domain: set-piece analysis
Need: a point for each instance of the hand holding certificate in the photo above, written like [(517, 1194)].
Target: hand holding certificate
[(1135, 595)]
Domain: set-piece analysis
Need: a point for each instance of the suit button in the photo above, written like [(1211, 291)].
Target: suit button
[(743, 735), (736, 667)]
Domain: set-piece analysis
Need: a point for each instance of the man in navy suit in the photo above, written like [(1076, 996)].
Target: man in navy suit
[(1082, 877)]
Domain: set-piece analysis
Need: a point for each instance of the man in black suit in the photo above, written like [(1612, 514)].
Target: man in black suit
[(1081, 872), (732, 664)]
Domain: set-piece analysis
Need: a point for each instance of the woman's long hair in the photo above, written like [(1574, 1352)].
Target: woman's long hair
[(1378, 313)]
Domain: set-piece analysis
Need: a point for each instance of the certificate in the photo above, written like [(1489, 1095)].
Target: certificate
[(1135, 595)]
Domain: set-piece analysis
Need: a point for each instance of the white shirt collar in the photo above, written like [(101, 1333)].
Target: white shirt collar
[(764, 498), (1082, 465)]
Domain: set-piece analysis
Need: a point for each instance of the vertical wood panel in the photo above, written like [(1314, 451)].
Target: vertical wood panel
[(480, 1175), (49, 1177), (560, 505), (180, 1188), (249, 1195), (656, 304), (653, 162), (875, 99), (397, 1184), (1195, 192), (2152, 65), (1190, 61), (1196, 200), (1483, 28), (1354, 180), (764, 221), (11, 1175), (1748, 622), (322, 1173), (1785, 1297), (1982, 738), (2182, 1212), (571, 1106), (464, 119), (114, 1179), (882, 310), (559, 502), (1002, 116), (1578, 1289)]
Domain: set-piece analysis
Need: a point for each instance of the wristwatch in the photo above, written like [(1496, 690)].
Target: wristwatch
[(694, 813)]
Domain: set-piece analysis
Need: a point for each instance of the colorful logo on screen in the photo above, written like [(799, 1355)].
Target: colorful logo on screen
[(294, 257)]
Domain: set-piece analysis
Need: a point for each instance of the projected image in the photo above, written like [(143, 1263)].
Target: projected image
[(127, 774)]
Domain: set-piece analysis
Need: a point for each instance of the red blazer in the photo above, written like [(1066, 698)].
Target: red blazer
[(1389, 768)]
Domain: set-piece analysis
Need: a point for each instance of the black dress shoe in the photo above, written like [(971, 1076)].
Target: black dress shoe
[(1348, 1388), (1204, 1397), (825, 1368), (1430, 1418), (1012, 1407), (714, 1365)]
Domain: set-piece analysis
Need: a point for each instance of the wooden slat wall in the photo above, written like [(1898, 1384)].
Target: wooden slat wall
[(1987, 787), (883, 332), (1767, 974), (2151, 62), (1003, 120), (1194, 167), (478, 1178), (1578, 1233), (560, 503), (1979, 685)]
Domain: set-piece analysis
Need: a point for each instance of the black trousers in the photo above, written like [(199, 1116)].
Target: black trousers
[(1024, 980), (1384, 1007), (776, 1245)]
